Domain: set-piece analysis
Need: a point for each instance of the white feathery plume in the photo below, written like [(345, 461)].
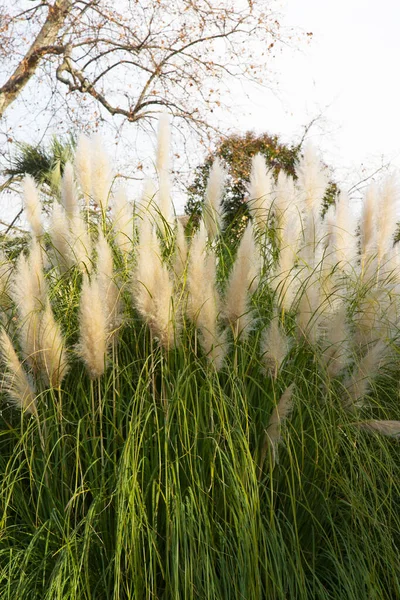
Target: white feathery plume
[(312, 180), (274, 346), (153, 290), (371, 319), (164, 200), (242, 282), (284, 281), (336, 349), (29, 293), (122, 221), (309, 308), (369, 220), (80, 243), (388, 217), (101, 172), (92, 346), (357, 385), (29, 287), (52, 354), (15, 381), (181, 250), (212, 210), (107, 285), (33, 206), (387, 428), (148, 198), (203, 299), (285, 203), (277, 419), (61, 237), (68, 191), (145, 281), (344, 233), (162, 165), (260, 191), (163, 143), (196, 273), (83, 166)]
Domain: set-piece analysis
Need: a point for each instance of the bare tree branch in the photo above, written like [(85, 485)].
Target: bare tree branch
[(42, 45)]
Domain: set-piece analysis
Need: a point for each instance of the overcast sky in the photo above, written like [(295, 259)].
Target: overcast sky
[(346, 77), (348, 74)]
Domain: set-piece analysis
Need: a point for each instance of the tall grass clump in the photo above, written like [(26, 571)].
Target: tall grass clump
[(179, 424)]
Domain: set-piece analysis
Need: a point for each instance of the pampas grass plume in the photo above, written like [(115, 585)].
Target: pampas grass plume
[(33, 206), (344, 233), (153, 289), (61, 237), (15, 380), (311, 180), (162, 165), (388, 217), (260, 191), (242, 283), (212, 210), (203, 299), (368, 223), (68, 191), (387, 428), (274, 346), (107, 285), (122, 221), (80, 243), (277, 419), (357, 385), (92, 344), (181, 250), (83, 166), (52, 354), (101, 172)]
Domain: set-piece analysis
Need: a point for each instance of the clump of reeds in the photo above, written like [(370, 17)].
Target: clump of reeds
[(242, 283), (302, 313), (203, 304)]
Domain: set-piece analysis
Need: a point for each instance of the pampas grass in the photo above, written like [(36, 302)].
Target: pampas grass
[(274, 346), (33, 206), (83, 166), (367, 368), (153, 288), (15, 381), (100, 171), (273, 433), (212, 211), (151, 467), (203, 304), (122, 213), (92, 346), (388, 428), (107, 285), (260, 191), (242, 282), (52, 353), (68, 191)]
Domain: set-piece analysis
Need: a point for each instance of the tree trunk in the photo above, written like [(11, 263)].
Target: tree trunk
[(43, 44)]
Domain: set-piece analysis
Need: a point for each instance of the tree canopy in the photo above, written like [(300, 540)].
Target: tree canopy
[(129, 59), (236, 152)]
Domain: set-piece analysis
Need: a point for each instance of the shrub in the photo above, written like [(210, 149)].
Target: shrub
[(182, 422)]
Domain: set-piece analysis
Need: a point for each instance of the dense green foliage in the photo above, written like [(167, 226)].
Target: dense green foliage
[(236, 152), (164, 477), (45, 164)]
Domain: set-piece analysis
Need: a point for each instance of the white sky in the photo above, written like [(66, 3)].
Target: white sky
[(348, 74)]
